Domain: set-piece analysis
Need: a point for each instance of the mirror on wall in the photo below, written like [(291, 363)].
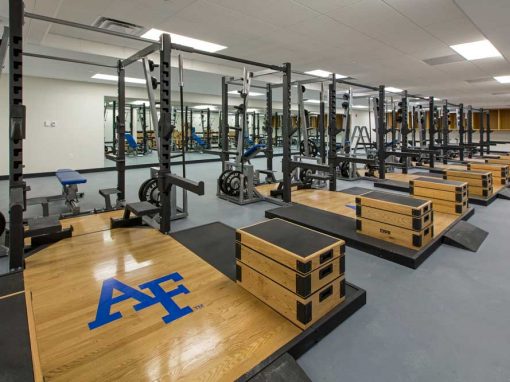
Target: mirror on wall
[(200, 136)]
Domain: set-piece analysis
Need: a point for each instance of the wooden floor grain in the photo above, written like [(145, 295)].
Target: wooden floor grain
[(228, 333)]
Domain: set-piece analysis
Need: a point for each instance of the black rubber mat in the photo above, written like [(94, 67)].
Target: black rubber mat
[(466, 236), (15, 351), (356, 190), (504, 193), (395, 185), (215, 243), (283, 369), (11, 283), (428, 174)]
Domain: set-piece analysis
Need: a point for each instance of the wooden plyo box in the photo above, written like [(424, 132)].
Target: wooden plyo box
[(500, 172), (399, 219), (447, 196), (401, 236), (297, 271), (498, 161), (301, 311), (302, 284), (400, 204), (298, 248), (416, 223), (479, 182), (448, 207)]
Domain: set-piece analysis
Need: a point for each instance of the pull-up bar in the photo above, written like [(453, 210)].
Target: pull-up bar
[(151, 42), (65, 59)]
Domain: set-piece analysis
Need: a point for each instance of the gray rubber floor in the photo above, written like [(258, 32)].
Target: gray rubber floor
[(449, 320)]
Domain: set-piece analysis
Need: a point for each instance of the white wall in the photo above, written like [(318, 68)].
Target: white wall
[(77, 139), (361, 118)]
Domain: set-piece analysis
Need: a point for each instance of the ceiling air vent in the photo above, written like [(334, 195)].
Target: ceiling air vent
[(444, 60), (118, 26)]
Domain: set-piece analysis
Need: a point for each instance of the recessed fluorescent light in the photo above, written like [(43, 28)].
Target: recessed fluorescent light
[(153, 34), (476, 50), (363, 94), (204, 107), (391, 89), (437, 99), (503, 79), (252, 110), (251, 94), (312, 101), (109, 77), (140, 102), (323, 73), (359, 107)]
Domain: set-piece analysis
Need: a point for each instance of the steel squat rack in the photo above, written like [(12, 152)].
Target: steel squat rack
[(289, 164), (166, 179)]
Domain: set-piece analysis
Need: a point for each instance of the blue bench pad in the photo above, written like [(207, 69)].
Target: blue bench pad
[(69, 177), (254, 149)]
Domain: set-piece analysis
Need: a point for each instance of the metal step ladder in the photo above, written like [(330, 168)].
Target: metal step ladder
[(360, 139)]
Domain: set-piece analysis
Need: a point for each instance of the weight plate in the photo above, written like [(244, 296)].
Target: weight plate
[(313, 150), (2, 223), (304, 176), (345, 169), (233, 183), (222, 179), (141, 190), (151, 193)]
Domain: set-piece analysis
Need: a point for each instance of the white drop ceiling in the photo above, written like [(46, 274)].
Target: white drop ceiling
[(374, 41)]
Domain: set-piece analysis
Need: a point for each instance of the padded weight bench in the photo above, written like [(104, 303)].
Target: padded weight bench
[(70, 179), (252, 152), (46, 230), (139, 210), (106, 193), (134, 148)]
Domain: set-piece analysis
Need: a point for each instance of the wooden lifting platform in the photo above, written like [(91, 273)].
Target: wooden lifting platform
[(335, 214), (481, 193), (133, 304)]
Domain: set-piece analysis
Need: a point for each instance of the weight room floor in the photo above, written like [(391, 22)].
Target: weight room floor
[(219, 343), (446, 321)]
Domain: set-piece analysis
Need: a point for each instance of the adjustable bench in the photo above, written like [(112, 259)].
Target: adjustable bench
[(70, 179), (133, 148), (252, 152)]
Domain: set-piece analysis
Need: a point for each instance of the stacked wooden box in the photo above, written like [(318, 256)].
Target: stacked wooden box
[(479, 182), (500, 172), (296, 271), (500, 160), (400, 219), (447, 196)]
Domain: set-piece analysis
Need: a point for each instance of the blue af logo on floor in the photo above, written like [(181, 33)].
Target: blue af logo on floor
[(104, 313)]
